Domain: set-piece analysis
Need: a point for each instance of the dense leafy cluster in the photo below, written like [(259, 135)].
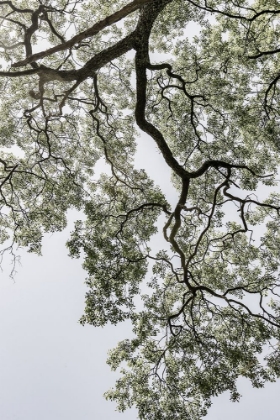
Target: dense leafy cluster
[(79, 80)]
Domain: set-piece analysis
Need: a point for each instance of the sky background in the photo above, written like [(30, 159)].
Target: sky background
[(52, 368)]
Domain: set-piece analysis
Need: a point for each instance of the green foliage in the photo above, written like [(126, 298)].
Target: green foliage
[(78, 81)]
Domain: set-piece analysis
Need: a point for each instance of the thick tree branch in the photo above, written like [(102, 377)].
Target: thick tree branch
[(97, 27), (16, 9)]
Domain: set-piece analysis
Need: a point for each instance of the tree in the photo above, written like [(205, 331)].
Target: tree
[(79, 80)]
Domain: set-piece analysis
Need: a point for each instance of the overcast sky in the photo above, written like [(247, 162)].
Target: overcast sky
[(51, 368)]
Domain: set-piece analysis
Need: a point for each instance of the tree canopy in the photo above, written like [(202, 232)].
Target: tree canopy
[(79, 80)]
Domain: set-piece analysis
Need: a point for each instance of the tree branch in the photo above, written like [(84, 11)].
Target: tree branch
[(97, 27)]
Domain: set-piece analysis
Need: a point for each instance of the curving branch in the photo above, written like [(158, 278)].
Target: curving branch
[(95, 29)]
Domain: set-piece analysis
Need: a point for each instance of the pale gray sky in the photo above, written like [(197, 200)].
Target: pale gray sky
[(51, 368)]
